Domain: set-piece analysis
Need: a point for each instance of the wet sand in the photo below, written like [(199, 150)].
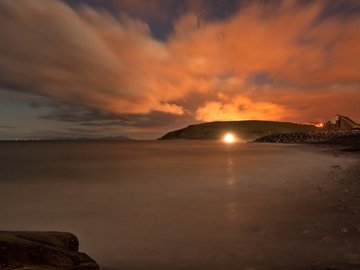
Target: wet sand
[(189, 205)]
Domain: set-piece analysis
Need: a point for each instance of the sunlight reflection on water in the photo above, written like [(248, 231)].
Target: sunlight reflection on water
[(232, 205)]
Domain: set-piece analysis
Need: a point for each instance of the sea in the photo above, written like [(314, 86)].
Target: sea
[(166, 204)]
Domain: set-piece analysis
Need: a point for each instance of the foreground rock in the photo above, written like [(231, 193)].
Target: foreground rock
[(42, 251)]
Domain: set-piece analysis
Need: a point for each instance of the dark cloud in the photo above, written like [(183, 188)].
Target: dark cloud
[(161, 14), (76, 113), (344, 9), (259, 78), (89, 117), (85, 131)]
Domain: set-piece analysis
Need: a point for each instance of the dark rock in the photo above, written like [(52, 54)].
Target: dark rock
[(349, 139), (43, 250)]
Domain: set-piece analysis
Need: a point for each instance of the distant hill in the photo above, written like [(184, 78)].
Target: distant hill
[(246, 130), (109, 138), (71, 139)]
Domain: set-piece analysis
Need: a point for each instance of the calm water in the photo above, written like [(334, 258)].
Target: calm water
[(163, 205)]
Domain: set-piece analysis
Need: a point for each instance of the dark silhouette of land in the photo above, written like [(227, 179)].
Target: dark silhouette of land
[(74, 139), (246, 130)]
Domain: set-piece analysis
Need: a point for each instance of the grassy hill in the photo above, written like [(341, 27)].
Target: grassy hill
[(246, 130)]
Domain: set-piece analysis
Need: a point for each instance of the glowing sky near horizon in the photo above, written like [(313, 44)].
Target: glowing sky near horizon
[(143, 67)]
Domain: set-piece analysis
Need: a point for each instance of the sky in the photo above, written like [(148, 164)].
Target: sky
[(140, 68)]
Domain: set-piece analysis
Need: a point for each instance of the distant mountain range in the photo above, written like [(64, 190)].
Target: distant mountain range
[(107, 138), (246, 130)]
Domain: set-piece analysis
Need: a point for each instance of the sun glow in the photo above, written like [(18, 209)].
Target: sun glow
[(229, 138)]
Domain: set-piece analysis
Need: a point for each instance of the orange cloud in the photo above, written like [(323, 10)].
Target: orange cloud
[(304, 57), (289, 44), (85, 57), (239, 108), (88, 57)]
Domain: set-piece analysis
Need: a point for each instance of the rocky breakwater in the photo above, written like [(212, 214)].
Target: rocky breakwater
[(42, 251), (346, 138)]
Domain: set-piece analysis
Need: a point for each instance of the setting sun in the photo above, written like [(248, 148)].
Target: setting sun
[(229, 138)]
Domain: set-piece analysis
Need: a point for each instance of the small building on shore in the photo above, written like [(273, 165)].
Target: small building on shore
[(342, 122)]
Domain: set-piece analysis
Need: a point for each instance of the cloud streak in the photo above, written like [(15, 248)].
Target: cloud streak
[(85, 57)]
